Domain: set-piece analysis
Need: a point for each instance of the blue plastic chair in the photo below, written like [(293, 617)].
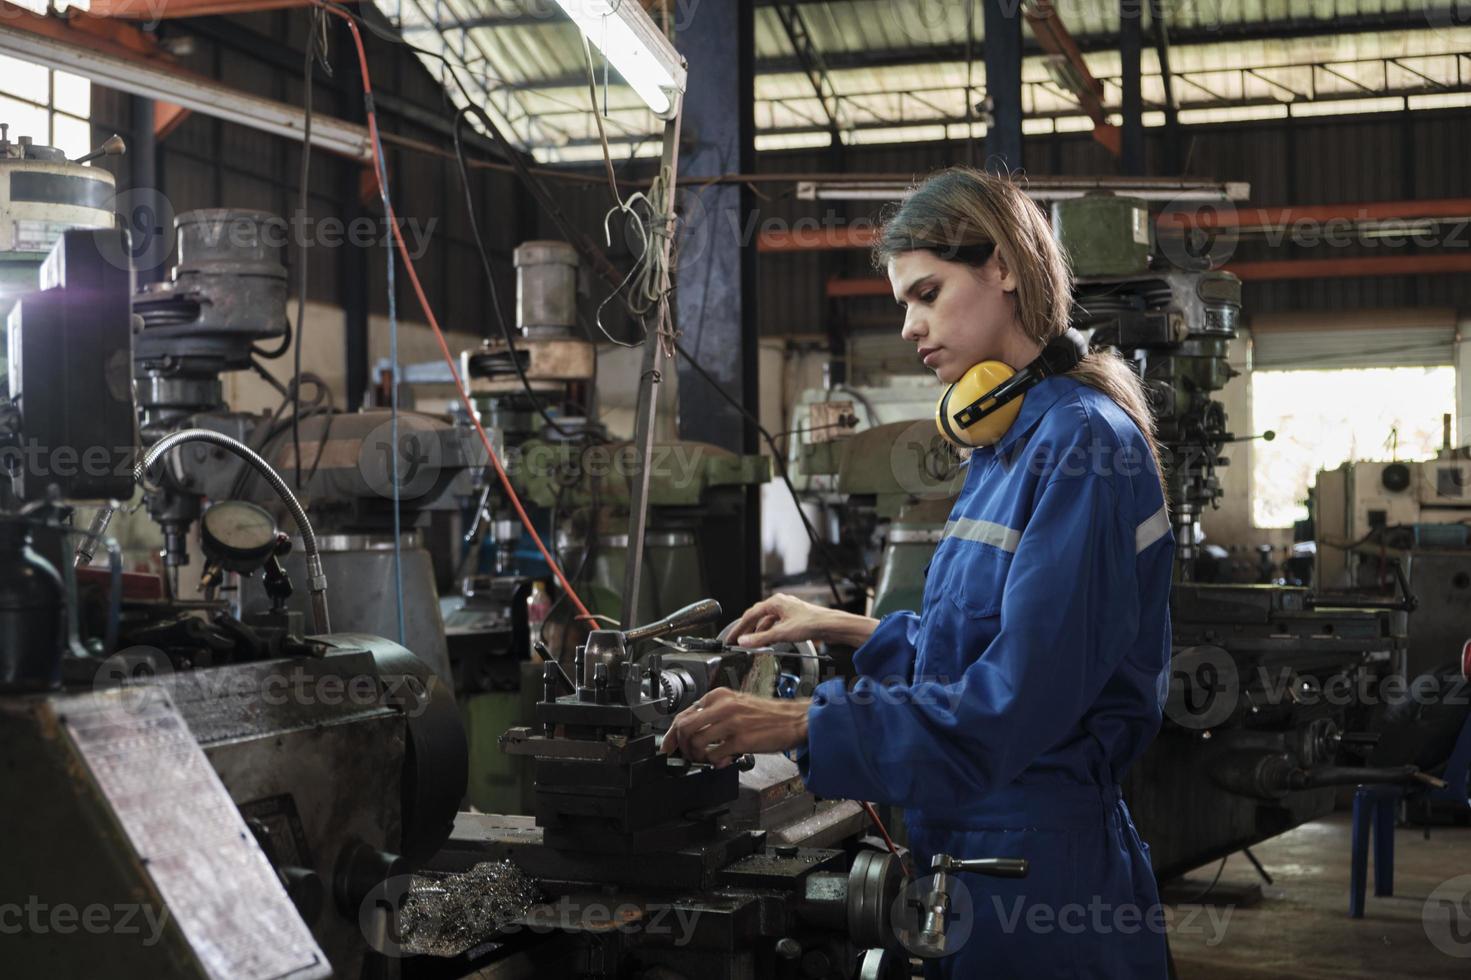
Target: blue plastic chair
[(1376, 807)]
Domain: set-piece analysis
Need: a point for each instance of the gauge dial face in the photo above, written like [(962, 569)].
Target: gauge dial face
[(233, 531)]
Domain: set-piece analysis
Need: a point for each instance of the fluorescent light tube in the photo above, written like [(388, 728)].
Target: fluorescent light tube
[(633, 44)]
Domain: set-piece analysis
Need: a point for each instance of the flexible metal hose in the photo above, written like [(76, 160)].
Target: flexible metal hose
[(316, 577)]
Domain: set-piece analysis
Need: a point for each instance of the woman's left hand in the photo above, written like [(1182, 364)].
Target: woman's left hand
[(724, 724)]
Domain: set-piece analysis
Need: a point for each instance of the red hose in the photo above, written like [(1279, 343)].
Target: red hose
[(379, 174)]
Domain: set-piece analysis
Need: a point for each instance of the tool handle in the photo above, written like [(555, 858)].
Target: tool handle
[(995, 867), (692, 615)]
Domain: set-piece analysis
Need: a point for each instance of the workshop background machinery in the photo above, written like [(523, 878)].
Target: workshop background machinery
[(533, 392), (651, 866), (1244, 753), (1373, 521), (224, 297), (232, 786), (42, 194)]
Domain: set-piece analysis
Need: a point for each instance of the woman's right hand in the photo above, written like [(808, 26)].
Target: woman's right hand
[(783, 618)]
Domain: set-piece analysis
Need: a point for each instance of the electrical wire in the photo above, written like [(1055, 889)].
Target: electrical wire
[(433, 321), (650, 268), (647, 274), (316, 41), (381, 173), (270, 378), (589, 546), (1208, 888), (322, 403), (595, 258), (285, 345), (598, 116)]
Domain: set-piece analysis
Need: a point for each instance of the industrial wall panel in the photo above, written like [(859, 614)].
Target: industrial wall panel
[(1404, 346)]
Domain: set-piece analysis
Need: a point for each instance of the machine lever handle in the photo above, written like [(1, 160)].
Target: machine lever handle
[(995, 867), (704, 611)]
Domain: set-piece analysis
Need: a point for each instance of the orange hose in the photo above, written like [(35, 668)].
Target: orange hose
[(379, 173)]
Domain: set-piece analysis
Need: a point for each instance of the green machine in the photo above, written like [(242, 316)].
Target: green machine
[(900, 479), (1174, 318), (575, 485), (695, 492)]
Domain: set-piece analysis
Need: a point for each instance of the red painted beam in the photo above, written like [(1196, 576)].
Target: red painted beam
[(1225, 216), (1210, 215), (797, 239), (152, 10), (105, 36), (167, 117), (1053, 37), (1343, 268), (96, 33), (872, 286)]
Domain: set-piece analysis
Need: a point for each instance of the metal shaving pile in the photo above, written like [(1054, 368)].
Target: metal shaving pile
[(447, 916)]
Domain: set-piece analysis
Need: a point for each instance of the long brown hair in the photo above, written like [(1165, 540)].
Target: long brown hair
[(960, 210)]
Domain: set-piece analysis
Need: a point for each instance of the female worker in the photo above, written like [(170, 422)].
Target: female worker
[(1003, 715)]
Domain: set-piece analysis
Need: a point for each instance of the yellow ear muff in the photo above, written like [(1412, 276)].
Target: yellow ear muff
[(994, 421)]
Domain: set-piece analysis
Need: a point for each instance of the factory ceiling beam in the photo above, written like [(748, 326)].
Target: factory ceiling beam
[(1285, 216), (812, 64), (548, 13), (1071, 70), (117, 62), (108, 36), (155, 10), (1351, 268), (931, 54), (267, 50), (1300, 105), (1272, 270)]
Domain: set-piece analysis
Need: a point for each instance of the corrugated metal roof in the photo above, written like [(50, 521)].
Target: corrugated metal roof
[(898, 66)]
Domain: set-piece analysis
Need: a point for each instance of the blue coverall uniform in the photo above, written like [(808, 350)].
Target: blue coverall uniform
[(1004, 714)]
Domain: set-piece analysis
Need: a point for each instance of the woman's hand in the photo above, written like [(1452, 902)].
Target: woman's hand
[(787, 619), (724, 724)]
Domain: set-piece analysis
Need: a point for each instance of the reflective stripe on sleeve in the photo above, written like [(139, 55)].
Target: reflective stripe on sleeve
[(1154, 527), (983, 532)]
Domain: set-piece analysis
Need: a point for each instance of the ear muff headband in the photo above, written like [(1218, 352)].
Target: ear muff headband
[(979, 408)]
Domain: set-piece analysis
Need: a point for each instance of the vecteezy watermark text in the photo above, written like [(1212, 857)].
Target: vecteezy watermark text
[(38, 917)]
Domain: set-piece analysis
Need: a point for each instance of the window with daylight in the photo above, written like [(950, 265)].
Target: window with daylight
[(1324, 418), (51, 107)]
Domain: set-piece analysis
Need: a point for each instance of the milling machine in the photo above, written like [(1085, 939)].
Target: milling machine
[(225, 296), (42, 194), (208, 796), (1249, 747)]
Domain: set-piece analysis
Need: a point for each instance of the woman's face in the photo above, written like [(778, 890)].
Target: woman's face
[(958, 315)]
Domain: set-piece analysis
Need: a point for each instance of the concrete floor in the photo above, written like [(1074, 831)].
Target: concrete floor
[(1301, 927)]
